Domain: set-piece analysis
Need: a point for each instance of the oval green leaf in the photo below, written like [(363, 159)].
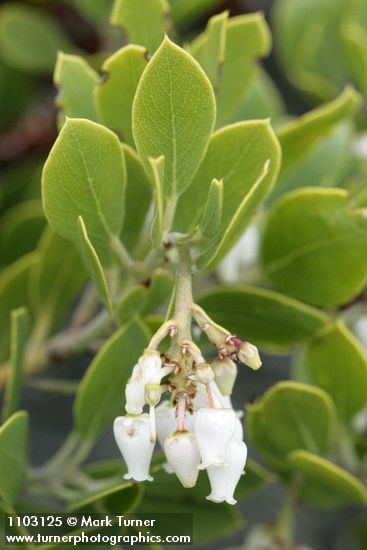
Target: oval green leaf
[(324, 483), (85, 175), (269, 319), (174, 115), (337, 363), (311, 240), (288, 417)]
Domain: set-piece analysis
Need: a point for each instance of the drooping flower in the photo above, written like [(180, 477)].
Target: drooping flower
[(183, 456), (132, 434), (224, 479), (214, 429), (166, 421)]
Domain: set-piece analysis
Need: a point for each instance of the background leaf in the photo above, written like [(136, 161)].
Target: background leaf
[(307, 234), (324, 483), (14, 284), (337, 363), (269, 319), (19, 332), (115, 92), (100, 395), (145, 26), (30, 39), (288, 417), (76, 81), (13, 455)]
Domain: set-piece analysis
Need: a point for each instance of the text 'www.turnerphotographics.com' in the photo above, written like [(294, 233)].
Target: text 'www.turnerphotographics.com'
[(96, 529)]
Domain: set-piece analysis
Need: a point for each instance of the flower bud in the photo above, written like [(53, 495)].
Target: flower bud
[(248, 355), (224, 479), (183, 456), (204, 373), (152, 394), (132, 436), (225, 371), (214, 429)]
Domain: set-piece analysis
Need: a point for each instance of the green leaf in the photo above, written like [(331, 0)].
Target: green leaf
[(338, 364), (115, 92), (85, 175), (300, 136), (93, 266), (307, 51), (14, 284), (20, 230), (217, 249), (173, 115), (138, 197), (146, 25), (19, 331), (247, 38), (30, 39), (76, 81), (132, 303), (324, 483), (13, 455), (123, 498), (157, 171), (58, 272), (101, 393), (212, 215), (236, 154), (291, 416), (311, 240), (209, 48), (271, 320)]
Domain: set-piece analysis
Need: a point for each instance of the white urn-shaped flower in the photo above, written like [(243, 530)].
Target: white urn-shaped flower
[(132, 434), (183, 456), (214, 429), (224, 479)]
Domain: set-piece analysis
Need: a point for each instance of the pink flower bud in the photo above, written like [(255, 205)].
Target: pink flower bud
[(224, 479), (248, 355), (132, 436), (183, 456), (214, 429)]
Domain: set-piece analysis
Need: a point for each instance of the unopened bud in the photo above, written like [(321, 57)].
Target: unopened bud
[(204, 373), (153, 393), (225, 371), (248, 355)]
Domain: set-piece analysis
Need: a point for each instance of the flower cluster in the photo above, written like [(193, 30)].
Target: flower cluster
[(197, 428)]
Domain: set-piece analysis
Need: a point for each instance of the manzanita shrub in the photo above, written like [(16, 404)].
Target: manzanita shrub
[(191, 221)]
